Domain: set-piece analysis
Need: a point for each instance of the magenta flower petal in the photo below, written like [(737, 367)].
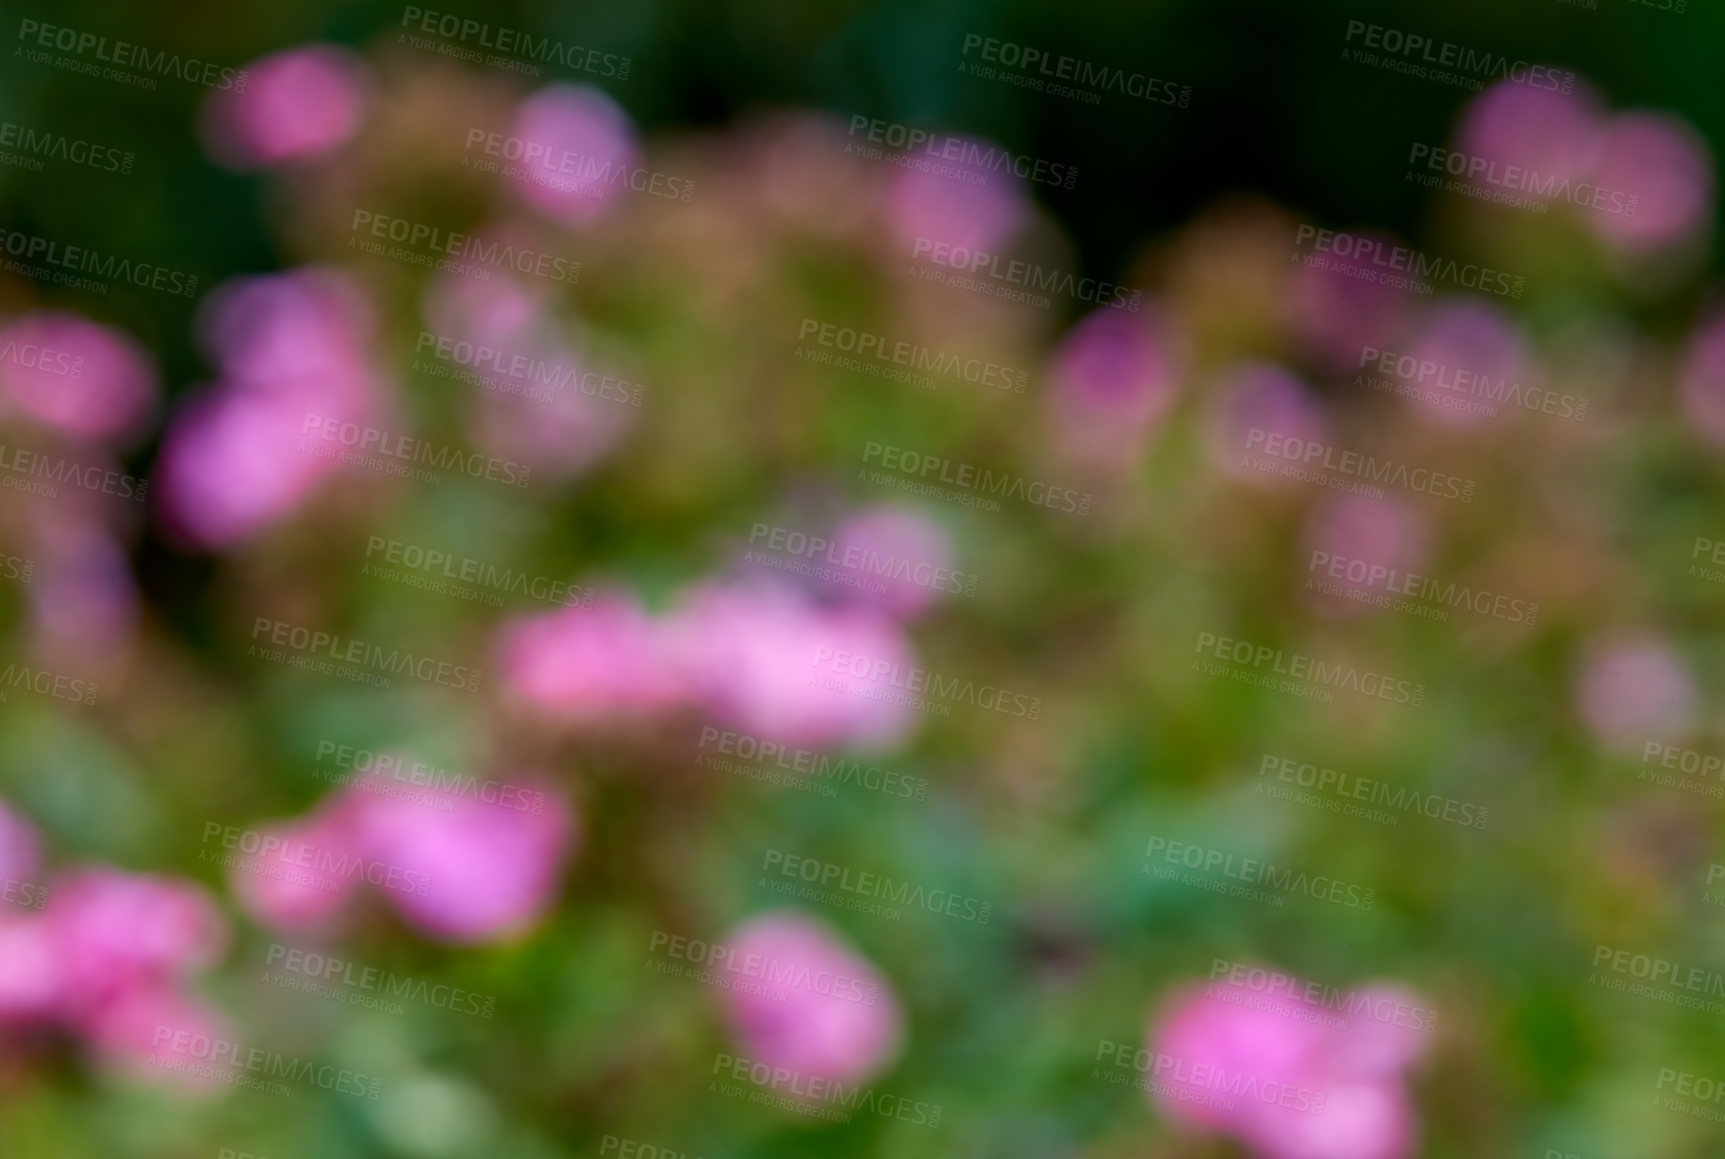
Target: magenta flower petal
[(293, 105), (839, 1020), (1667, 167), (960, 203), (90, 382), (897, 548), (583, 152), (589, 662), (481, 872), (764, 658)]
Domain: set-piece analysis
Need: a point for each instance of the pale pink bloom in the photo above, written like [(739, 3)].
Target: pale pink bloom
[(1113, 376), (951, 210), (115, 934), (20, 848), (1370, 548), (1701, 380), (1634, 687), (843, 1031), (583, 149), (1321, 1091), (296, 104), (84, 601), (1667, 167), (1467, 352), (1543, 133), (899, 548), (136, 1032), (560, 436), (764, 658), (590, 662), (1259, 411), (490, 313), (90, 382), (297, 885), (477, 873), (235, 462), (31, 981), (294, 354), (282, 332), (1333, 302)]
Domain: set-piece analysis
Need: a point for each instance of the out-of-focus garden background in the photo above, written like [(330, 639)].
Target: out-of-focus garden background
[(619, 614)]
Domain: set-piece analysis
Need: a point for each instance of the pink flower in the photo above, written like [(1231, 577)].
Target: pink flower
[(1633, 688), (1337, 314), (116, 931), (138, 1029), (490, 313), (1324, 1092), (590, 662), (285, 332), (296, 104), (1113, 376), (900, 549), (294, 886), (844, 1031), (84, 602), (1369, 548), (1701, 381), (294, 353), (562, 436), (764, 658), (232, 464), (949, 210), (1469, 346), (32, 987), (1259, 411), (479, 872), (1666, 167), (90, 382), (20, 848), (580, 140), (1545, 134)]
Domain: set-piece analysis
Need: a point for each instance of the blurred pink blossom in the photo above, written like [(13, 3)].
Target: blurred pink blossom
[(490, 869), (1254, 405), (89, 382), (1701, 379), (137, 1029), (296, 104), (760, 657), (1634, 687), (293, 349), (562, 434), (1371, 549), (20, 848), (84, 601), (1666, 166), (116, 931), (1113, 376), (843, 1029), (589, 662), (1334, 312), (295, 886), (490, 313), (285, 332), (980, 210), (899, 548), (1322, 1091), (584, 152), (1467, 352), (32, 988), (1543, 133)]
